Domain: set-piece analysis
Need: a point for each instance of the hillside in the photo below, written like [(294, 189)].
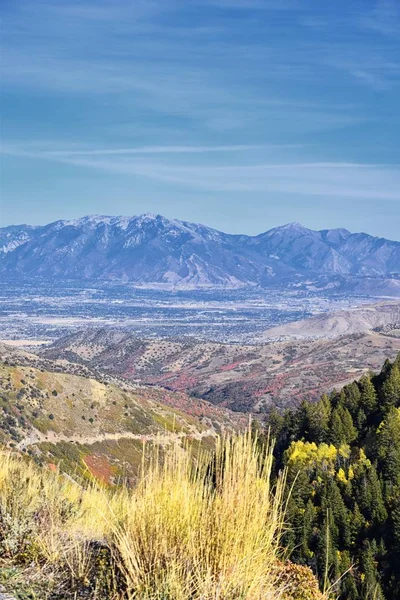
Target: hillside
[(383, 316), (153, 250), (97, 427), (241, 377)]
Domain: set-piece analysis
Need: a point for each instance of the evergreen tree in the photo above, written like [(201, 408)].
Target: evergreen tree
[(342, 430), (369, 398), (318, 416), (370, 587), (390, 392), (352, 398), (348, 586), (388, 448)]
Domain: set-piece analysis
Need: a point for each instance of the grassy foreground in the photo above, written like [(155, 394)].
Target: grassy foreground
[(187, 531)]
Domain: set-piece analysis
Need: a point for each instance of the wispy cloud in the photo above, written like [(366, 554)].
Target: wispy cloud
[(271, 5), (149, 150), (371, 68), (338, 180), (324, 179), (192, 76), (33, 151), (274, 96), (371, 79), (315, 179), (384, 18)]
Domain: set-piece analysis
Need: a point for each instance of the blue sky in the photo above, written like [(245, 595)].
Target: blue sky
[(241, 114)]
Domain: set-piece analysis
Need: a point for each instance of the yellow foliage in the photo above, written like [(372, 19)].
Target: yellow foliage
[(344, 450), (310, 454), (341, 475), (363, 460)]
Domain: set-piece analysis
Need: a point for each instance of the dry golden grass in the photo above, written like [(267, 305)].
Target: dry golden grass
[(208, 530), (184, 537)]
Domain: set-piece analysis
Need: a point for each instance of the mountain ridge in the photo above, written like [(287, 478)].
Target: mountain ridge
[(151, 249)]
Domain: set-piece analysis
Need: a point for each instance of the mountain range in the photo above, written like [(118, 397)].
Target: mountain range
[(153, 250)]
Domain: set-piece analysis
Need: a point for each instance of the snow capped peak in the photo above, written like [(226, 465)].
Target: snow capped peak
[(295, 226), (151, 219), (149, 216), (335, 236), (95, 220), (122, 222), (91, 220)]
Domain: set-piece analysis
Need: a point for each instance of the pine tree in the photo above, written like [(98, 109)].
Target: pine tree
[(356, 524), (318, 416), (390, 392), (345, 509), (370, 588), (369, 399), (368, 494), (388, 448), (361, 419), (274, 422), (342, 430), (353, 398), (348, 587), (309, 519)]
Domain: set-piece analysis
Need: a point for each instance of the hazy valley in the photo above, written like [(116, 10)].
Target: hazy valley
[(245, 377)]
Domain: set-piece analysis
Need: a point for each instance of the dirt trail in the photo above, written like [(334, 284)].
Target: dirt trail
[(36, 437)]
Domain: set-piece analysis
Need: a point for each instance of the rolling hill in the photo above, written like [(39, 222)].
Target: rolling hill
[(360, 319), (243, 377), (93, 425)]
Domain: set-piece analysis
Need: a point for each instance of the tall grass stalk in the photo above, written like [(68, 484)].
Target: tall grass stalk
[(193, 534), (193, 528)]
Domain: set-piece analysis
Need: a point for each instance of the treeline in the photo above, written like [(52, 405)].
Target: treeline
[(343, 459)]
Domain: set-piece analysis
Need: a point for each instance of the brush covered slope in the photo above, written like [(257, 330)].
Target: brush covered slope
[(95, 427), (241, 377), (180, 534), (343, 459)]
